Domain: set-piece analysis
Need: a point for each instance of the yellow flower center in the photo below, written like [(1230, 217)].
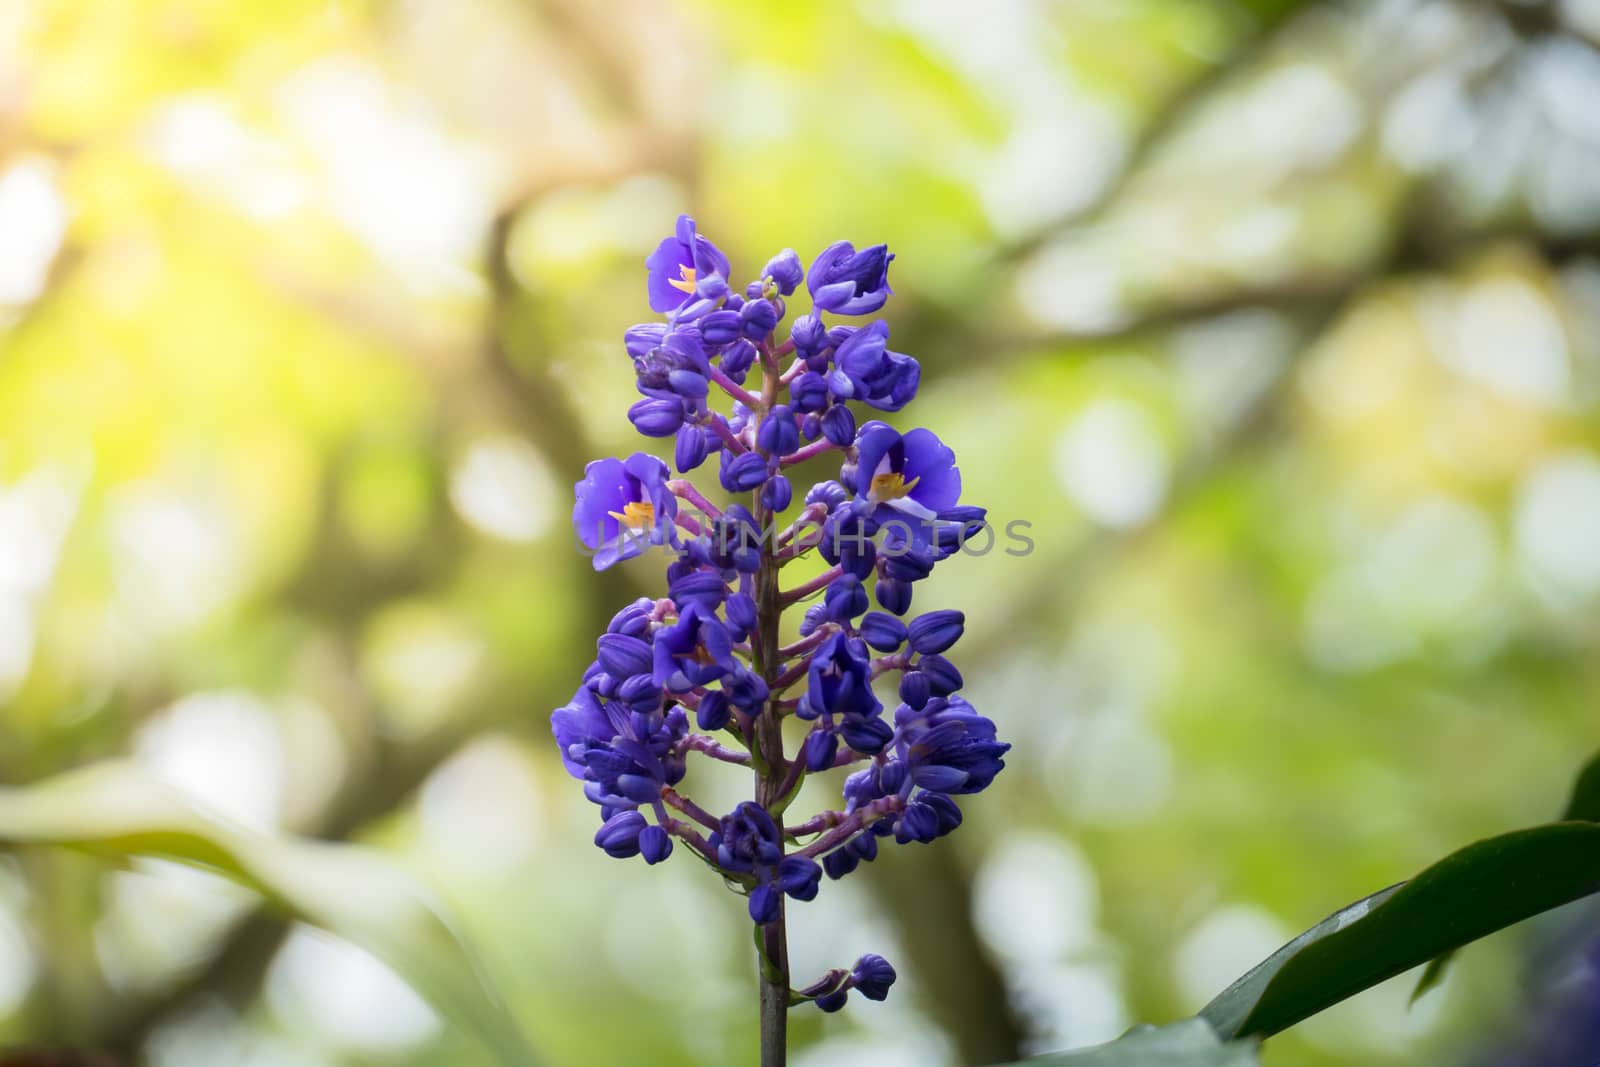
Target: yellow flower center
[(686, 281), (891, 486), (639, 515)]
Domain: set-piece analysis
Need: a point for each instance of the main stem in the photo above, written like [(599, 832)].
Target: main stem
[(774, 964)]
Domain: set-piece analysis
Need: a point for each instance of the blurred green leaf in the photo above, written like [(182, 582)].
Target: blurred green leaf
[(1583, 807), (1190, 1043), (116, 809), (1470, 894)]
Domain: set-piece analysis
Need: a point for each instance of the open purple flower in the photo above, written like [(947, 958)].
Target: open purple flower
[(579, 724), (623, 507), (912, 476), (847, 282), (680, 266), (692, 651)]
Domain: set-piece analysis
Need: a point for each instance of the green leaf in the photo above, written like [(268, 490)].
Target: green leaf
[(1583, 807), (354, 892), (1585, 803), (1190, 1043), (1432, 975), (1468, 895)]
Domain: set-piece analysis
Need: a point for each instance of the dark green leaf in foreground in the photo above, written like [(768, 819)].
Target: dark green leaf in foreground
[(1584, 806), (1190, 1043), (115, 809), (1466, 896)]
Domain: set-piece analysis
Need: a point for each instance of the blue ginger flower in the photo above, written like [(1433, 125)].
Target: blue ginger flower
[(693, 674)]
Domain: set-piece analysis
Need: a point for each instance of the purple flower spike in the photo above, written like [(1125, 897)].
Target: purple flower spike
[(710, 670)]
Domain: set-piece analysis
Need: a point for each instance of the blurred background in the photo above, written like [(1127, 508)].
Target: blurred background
[(1279, 322)]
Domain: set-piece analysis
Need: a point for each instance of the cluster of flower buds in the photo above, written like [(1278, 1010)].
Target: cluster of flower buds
[(705, 670)]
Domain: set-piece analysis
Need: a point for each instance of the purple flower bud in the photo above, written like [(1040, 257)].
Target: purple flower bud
[(638, 788), (718, 328), (939, 778), (778, 435), (936, 631), (633, 620), (699, 586), (820, 748), (714, 710), (758, 317), (948, 813), (915, 690), (689, 451), (743, 472), (640, 693), (799, 877), (688, 384), (809, 392), (839, 425), (619, 836), (742, 611), (830, 493), (906, 561), (848, 282), (809, 335), (845, 598), (872, 977), (919, 822), (882, 631), (832, 1002), (644, 337), (623, 656), (785, 271), (765, 900), (839, 862), (893, 595), (868, 736), (656, 418), (943, 678), (815, 616), (712, 287), (746, 690), (655, 846), (737, 359), (776, 493), (827, 983)]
